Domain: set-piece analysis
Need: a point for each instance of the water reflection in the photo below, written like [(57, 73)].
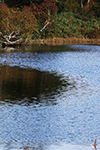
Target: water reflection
[(66, 85), (62, 48), (23, 86), (64, 146)]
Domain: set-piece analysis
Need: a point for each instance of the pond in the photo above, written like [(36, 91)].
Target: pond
[(50, 97)]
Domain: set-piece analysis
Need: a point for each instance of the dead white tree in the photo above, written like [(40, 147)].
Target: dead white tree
[(11, 39), (88, 1), (47, 22), (81, 3)]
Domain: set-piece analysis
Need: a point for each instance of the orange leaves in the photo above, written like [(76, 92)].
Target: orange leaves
[(94, 34), (41, 11), (12, 19)]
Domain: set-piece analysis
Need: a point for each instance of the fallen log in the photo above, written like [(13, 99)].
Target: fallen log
[(11, 39)]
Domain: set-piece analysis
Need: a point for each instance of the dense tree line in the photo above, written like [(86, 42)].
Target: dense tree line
[(79, 6), (40, 19)]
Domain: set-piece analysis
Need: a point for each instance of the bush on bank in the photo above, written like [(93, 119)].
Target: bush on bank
[(63, 25), (67, 26)]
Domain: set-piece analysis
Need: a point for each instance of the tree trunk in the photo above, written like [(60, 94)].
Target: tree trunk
[(47, 21), (88, 1), (81, 3)]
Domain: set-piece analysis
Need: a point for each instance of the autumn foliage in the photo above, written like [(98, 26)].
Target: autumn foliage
[(13, 19), (51, 18), (94, 34), (44, 11)]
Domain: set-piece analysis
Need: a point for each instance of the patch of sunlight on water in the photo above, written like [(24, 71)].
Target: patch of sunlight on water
[(62, 146), (50, 97), (65, 146)]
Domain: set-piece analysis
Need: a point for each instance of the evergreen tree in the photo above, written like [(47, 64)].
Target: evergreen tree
[(17, 3)]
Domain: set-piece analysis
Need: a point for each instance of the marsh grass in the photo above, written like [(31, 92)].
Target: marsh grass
[(66, 41)]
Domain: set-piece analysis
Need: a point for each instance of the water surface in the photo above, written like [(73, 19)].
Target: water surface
[(50, 97)]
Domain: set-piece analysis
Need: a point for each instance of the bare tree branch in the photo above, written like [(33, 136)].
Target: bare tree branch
[(7, 39), (45, 26)]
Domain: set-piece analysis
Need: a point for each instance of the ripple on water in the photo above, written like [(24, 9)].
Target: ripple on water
[(73, 117)]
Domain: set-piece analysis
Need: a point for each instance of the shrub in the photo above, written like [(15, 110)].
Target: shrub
[(94, 34), (15, 20)]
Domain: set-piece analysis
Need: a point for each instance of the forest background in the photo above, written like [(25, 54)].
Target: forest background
[(41, 19)]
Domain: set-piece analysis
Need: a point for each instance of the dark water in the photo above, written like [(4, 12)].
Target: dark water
[(50, 95)]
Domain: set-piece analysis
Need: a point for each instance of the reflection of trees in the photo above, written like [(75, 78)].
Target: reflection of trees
[(23, 84)]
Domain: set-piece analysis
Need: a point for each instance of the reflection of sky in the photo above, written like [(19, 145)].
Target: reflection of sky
[(75, 118), (64, 146), (80, 65), (60, 62)]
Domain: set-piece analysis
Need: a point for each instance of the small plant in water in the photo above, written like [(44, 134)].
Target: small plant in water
[(95, 143)]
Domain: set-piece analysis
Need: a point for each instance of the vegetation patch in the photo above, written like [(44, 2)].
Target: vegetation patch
[(49, 19)]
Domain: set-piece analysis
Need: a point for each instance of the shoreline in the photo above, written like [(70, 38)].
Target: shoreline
[(58, 42), (64, 41)]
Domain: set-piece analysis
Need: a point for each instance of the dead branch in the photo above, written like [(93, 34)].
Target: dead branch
[(45, 26), (47, 21), (7, 39)]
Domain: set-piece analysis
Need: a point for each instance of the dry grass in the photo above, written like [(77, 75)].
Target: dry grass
[(65, 41)]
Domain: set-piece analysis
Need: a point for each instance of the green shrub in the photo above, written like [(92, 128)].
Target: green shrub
[(94, 34)]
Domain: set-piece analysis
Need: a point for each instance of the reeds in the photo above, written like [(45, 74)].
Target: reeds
[(65, 41)]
